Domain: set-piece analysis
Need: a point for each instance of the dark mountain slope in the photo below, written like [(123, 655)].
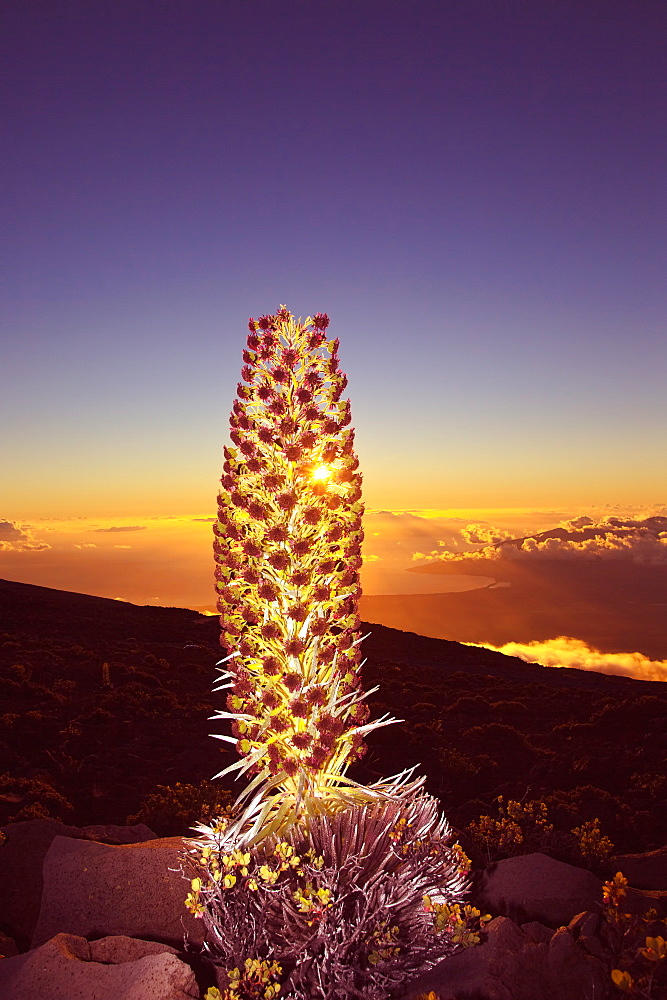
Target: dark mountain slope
[(104, 700)]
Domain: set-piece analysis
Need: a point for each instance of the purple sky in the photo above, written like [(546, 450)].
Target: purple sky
[(474, 191)]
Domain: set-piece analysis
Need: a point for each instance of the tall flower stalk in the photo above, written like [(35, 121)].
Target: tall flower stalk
[(288, 553), (316, 887)]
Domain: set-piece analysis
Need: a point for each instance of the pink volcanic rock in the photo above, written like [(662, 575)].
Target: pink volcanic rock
[(96, 890), (66, 968), (537, 887), (114, 950), (588, 931), (22, 853), (537, 932), (511, 965), (109, 833)]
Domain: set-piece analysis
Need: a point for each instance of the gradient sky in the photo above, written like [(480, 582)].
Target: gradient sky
[(473, 191)]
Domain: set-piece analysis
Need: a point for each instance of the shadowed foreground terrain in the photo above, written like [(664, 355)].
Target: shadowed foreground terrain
[(102, 701)]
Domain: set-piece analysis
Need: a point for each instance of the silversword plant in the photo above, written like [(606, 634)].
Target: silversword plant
[(317, 886)]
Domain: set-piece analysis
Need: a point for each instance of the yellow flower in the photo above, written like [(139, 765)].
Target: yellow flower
[(268, 874), (655, 950), (283, 851), (193, 904), (622, 979)]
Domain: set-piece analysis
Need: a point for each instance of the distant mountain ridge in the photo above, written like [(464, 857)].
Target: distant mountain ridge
[(614, 526), (59, 613)]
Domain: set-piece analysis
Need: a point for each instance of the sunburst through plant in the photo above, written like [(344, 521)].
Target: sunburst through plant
[(288, 553), (317, 887)]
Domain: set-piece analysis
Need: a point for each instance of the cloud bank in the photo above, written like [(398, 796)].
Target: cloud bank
[(564, 651), (123, 527), (18, 538), (640, 541)]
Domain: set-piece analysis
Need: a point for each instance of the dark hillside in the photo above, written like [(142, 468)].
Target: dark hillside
[(103, 700)]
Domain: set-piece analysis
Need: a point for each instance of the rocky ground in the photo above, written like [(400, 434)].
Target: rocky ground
[(97, 913)]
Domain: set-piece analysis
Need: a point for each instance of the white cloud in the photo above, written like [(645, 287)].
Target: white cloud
[(565, 651), (86, 545)]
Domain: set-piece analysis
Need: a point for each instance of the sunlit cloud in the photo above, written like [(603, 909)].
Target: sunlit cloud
[(19, 538), (393, 537), (464, 543), (565, 651), (123, 527), (122, 546), (398, 534), (476, 534), (639, 540), (86, 545)]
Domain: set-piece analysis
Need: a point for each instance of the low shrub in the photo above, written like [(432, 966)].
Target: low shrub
[(171, 810), (525, 827)]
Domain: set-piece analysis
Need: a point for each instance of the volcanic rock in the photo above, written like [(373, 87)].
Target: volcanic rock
[(69, 968), (109, 833), (537, 887), (22, 852), (94, 890), (511, 965)]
